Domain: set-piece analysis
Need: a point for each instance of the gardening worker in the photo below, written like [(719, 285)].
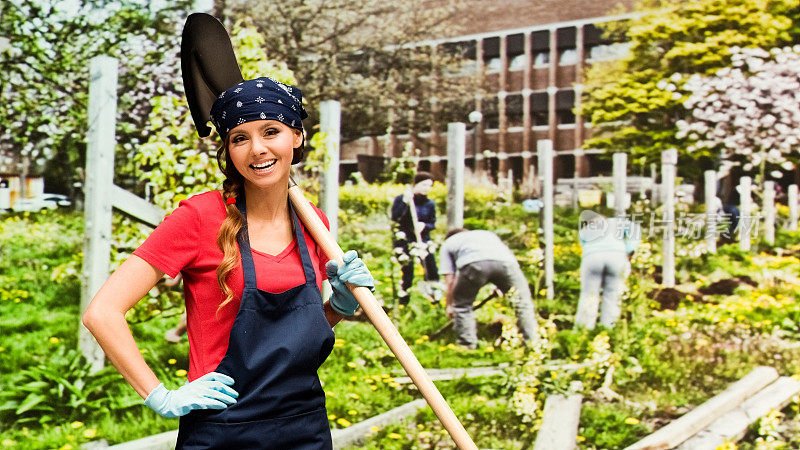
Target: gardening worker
[(471, 259), (258, 328), (606, 244), (410, 231)]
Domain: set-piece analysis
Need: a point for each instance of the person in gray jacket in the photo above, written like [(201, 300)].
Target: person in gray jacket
[(470, 259), (606, 244)]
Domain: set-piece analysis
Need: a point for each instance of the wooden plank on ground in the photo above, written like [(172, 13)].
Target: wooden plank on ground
[(356, 433), (341, 437), (699, 418), (161, 441), (560, 420), (733, 426)]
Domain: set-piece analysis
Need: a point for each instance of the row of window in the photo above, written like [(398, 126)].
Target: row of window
[(566, 57)]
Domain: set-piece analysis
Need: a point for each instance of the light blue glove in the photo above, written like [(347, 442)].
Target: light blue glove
[(211, 391), (353, 271)]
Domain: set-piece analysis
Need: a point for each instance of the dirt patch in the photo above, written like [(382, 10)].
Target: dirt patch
[(670, 298), (727, 286), (721, 287)]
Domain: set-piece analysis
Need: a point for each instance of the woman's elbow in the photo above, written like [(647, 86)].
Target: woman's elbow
[(95, 316)]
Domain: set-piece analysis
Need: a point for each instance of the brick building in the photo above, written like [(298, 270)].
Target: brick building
[(533, 54)]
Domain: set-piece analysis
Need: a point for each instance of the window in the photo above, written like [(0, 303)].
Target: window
[(539, 118), (518, 63), (608, 52), (568, 57), (565, 117), (493, 65), (514, 110), (541, 59)]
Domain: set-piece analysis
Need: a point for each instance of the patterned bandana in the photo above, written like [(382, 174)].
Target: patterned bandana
[(259, 99)]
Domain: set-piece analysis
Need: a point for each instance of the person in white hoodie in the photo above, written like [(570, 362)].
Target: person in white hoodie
[(606, 244)]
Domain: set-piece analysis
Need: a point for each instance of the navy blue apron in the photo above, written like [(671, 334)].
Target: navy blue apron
[(277, 343)]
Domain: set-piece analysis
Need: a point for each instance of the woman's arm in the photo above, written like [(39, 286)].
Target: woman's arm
[(331, 315), (105, 319)]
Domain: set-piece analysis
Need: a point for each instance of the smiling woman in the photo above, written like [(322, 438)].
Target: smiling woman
[(258, 326)]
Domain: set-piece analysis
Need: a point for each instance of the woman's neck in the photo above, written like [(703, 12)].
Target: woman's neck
[(267, 205)]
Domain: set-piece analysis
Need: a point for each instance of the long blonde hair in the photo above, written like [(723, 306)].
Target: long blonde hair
[(232, 187)]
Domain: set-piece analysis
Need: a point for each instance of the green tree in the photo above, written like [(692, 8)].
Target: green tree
[(45, 49), (634, 103)]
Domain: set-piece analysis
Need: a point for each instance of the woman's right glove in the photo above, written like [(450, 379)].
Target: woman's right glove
[(353, 271), (211, 391)]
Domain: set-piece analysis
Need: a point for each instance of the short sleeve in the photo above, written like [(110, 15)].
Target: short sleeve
[(446, 265), (173, 245)]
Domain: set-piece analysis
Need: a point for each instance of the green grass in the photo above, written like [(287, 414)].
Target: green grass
[(666, 361)]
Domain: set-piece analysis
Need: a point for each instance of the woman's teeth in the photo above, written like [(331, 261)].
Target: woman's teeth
[(264, 166)]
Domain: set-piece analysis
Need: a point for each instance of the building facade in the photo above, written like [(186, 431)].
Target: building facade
[(532, 74)]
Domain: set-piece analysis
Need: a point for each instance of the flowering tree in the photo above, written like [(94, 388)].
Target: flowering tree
[(630, 109), (45, 49), (747, 113)]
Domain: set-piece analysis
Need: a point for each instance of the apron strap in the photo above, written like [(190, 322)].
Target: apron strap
[(308, 266), (243, 238)]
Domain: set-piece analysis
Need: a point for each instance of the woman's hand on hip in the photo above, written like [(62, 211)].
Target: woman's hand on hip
[(211, 391)]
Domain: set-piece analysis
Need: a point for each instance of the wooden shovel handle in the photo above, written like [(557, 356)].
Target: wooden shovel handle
[(383, 324)]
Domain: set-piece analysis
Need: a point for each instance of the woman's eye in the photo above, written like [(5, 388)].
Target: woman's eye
[(237, 139), (271, 131)]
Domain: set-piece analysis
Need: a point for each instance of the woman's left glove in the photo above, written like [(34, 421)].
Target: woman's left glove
[(353, 271)]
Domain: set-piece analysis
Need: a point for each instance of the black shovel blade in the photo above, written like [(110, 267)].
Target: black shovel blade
[(208, 66)]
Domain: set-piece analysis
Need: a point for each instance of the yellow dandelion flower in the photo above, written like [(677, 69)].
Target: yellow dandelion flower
[(352, 364), (490, 348), (352, 412), (66, 447), (54, 340), (374, 429), (89, 433), (632, 421), (172, 361), (180, 373), (76, 424), (395, 436), (343, 422), (331, 416), (374, 388), (354, 378)]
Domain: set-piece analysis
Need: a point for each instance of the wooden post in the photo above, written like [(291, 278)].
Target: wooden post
[(456, 148), (620, 183), (545, 149), (793, 207), (669, 159), (99, 180), (330, 118), (560, 421), (745, 212), (769, 212), (710, 183), (655, 194)]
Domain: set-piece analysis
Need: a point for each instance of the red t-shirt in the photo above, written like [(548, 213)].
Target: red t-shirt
[(186, 242)]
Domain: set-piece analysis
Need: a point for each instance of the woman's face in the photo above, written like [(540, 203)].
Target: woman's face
[(423, 187), (262, 151)]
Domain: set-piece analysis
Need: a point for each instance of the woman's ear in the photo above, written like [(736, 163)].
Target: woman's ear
[(298, 138)]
